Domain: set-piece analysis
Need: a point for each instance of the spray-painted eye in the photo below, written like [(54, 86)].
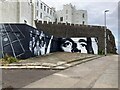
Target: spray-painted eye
[(67, 43), (5, 39), (83, 45)]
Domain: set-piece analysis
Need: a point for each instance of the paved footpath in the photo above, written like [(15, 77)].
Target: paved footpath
[(99, 73), (57, 60)]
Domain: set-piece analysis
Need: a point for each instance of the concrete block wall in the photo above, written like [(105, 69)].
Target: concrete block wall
[(62, 30)]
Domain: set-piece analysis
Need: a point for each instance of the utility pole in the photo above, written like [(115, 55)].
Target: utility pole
[(105, 31)]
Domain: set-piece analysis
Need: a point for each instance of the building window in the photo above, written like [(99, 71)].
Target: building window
[(56, 20), (41, 5), (66, 11), (47, 10), (53, 13), (37, 3), (30, 1), (61, 18), (37, 13), (50, 12), (44, 8), (83, 22), (66, 17), (40, 15), (83, 15)]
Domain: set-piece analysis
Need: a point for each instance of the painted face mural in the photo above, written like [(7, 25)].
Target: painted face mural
[(68, 45), (83, 45)]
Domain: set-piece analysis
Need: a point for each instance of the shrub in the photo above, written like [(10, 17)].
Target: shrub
[(8, 59), (101, 52)]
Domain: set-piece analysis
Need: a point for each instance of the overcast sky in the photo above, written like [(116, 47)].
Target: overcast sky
[(95, 9)]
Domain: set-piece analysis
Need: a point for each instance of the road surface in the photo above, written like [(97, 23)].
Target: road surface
[(18, 78), (99, 73)]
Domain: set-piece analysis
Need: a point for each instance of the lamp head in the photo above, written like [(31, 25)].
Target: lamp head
[(106, 10)]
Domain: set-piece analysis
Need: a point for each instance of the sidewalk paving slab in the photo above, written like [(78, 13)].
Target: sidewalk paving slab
[(58, 60)]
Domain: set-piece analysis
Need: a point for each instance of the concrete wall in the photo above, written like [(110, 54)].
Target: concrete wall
[(9, 12), (17, 12), (24, 41), (26, 13), (68, 31)]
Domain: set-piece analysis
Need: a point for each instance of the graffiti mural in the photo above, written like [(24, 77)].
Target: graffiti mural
[(24, 41), (83, 45), (38, 44)]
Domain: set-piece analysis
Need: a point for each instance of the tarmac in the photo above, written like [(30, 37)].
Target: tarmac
[(99, 73), (78, 70), (57, 60)]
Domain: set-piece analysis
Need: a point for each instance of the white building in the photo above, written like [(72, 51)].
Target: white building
[(25, 11), (44, 12), (16, 11), (69, 14)]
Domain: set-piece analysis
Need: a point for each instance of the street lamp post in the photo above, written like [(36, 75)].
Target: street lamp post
[(105, 31)]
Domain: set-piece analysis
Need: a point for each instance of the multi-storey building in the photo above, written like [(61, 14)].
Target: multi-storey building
[(44, 12), (69, 14), (25, 11)]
